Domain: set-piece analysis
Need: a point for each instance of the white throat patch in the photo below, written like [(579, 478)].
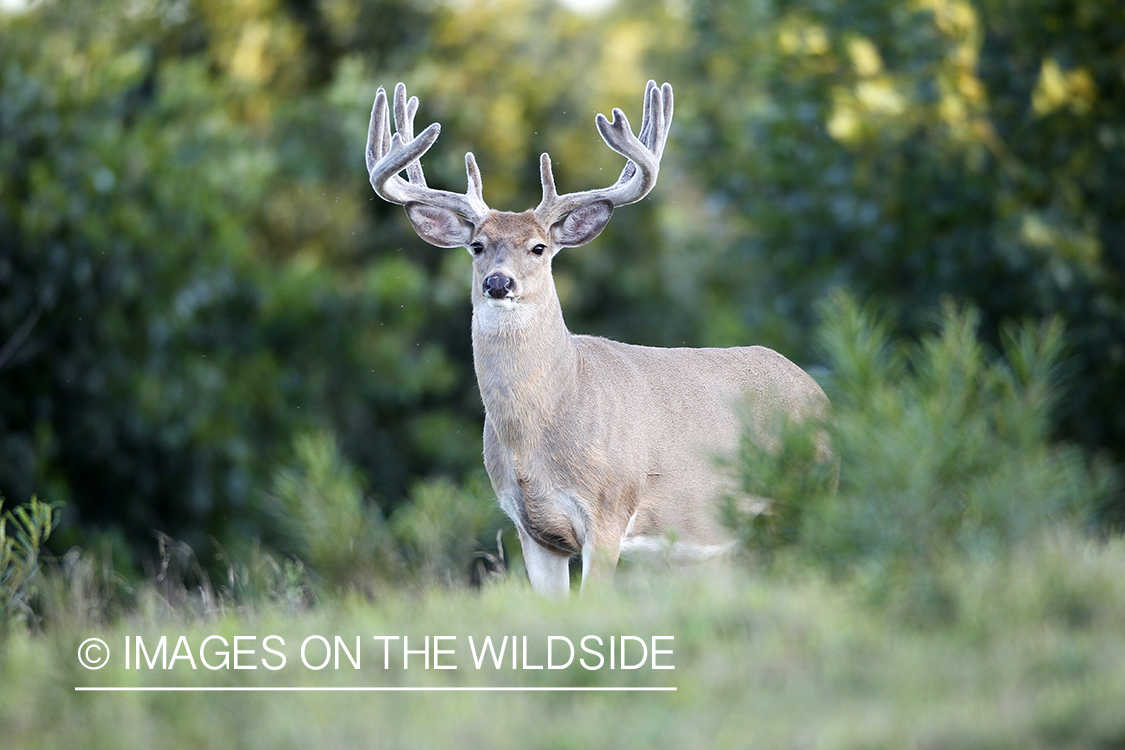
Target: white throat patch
[(506, 314)]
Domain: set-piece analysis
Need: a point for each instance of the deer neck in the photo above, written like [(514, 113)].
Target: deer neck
[(524, 358)]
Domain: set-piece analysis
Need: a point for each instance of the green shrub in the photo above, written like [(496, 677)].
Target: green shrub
[(23, 530), (443, 529), (944, 449), (320, 505)]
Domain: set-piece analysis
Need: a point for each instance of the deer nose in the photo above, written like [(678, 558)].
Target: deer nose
[(498, 285)]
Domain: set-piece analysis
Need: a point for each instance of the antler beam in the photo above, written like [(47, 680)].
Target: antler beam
[(640, 172), (387, 155)]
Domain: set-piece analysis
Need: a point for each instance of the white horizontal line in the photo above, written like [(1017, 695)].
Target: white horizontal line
[(368, 689)]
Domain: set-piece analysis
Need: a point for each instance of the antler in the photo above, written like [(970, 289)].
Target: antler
[(387, 155), (639, 175)]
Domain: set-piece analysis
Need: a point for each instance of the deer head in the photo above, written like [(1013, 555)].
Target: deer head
[(512, 252)]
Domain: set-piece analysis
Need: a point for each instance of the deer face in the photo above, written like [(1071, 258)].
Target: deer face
[(511, 252), (511, 260)]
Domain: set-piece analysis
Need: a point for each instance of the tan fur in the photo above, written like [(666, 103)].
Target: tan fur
[(625, 433)]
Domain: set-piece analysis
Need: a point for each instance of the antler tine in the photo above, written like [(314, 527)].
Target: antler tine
[(639, 174), (405, 109), (387, 155), (657, 118), (547, 177), (476, 185), (378, 141)]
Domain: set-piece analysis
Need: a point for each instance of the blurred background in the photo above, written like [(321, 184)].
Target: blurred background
[(210, 327)]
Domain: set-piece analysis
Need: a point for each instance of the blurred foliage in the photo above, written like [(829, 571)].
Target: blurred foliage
[(321, 505), (23, 530), (944, 449), (194, 272), (443, 528), (1032, 657), (915, 151), (183, 283)]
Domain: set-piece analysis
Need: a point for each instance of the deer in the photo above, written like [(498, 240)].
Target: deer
[(595, 448)]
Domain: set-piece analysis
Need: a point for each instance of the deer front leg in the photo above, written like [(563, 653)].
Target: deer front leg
[(548, 570), (598, 561)]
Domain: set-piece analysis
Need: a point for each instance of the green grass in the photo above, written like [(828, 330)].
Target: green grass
[(946, 593), (1033, 656)]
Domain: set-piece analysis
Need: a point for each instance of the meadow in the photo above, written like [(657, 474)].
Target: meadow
[(952, 592), (1028, 653)]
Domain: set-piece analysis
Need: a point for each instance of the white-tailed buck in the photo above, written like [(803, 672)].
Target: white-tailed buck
[(594, 447)]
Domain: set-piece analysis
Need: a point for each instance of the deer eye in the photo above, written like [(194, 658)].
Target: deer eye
[(538, 249), (477, 248)]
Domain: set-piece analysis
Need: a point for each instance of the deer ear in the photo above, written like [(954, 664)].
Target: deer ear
[(582, 224), (439, 226)]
